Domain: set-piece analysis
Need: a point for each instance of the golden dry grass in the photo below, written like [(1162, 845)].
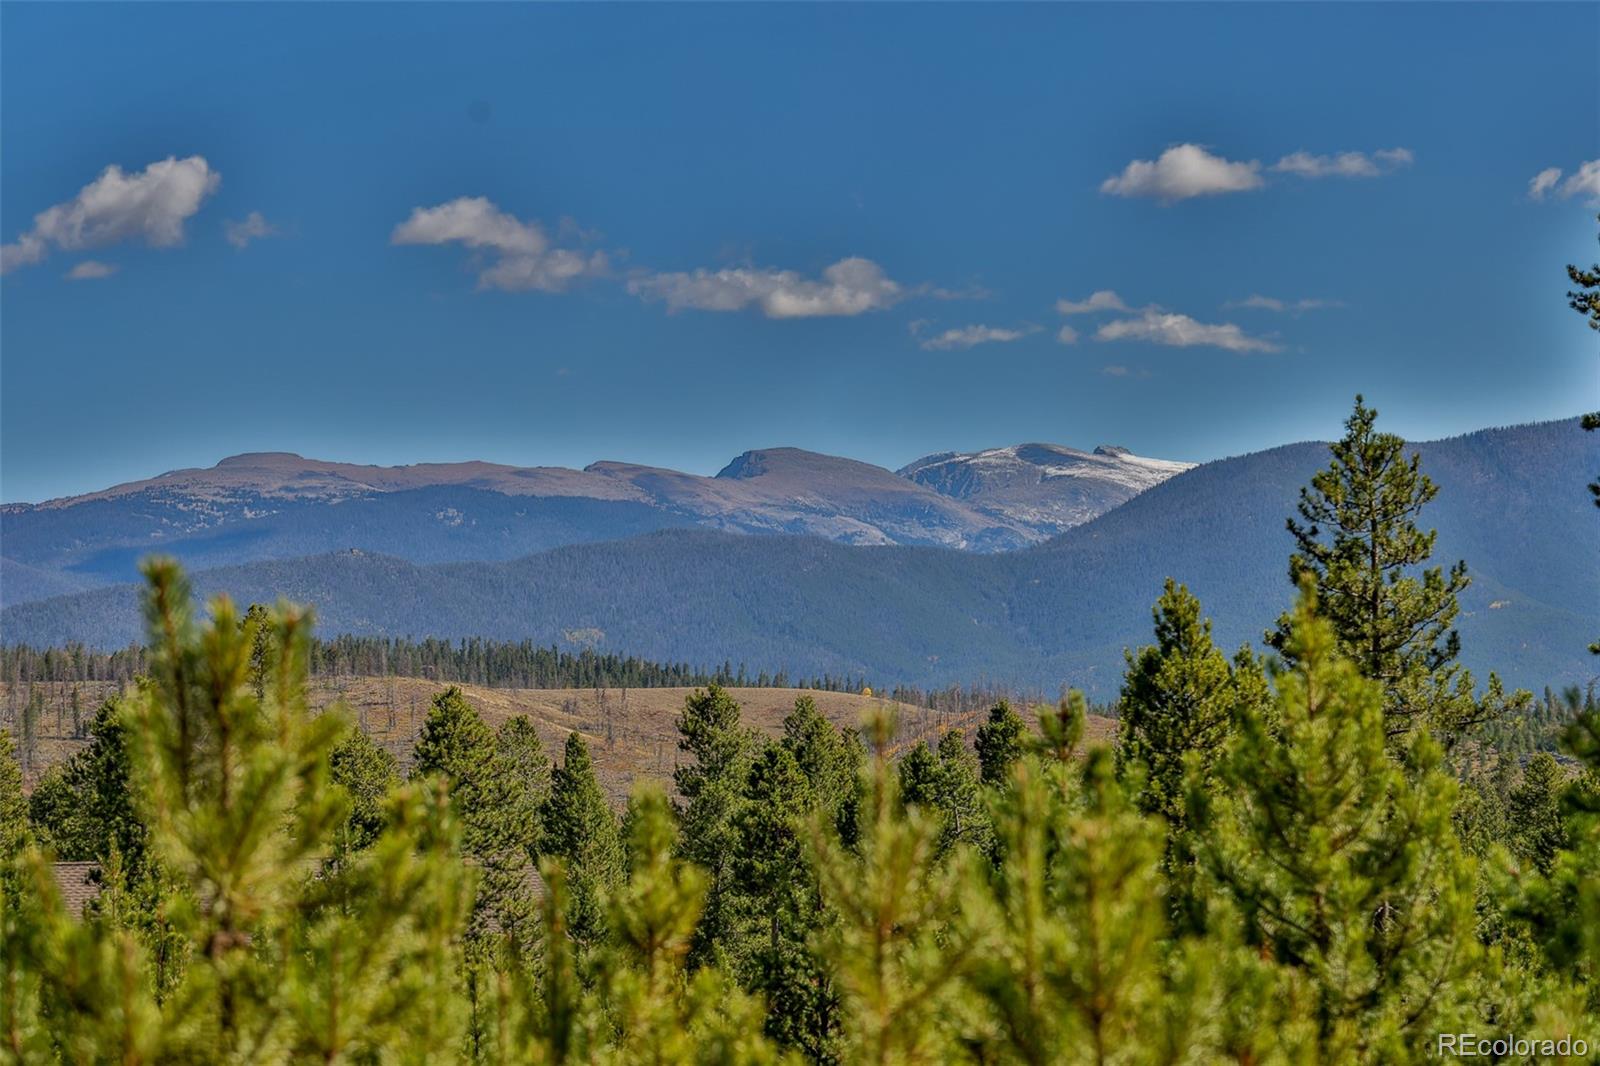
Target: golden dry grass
[(631, 733)]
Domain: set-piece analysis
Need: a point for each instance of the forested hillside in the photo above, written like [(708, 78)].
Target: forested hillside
[(1510, 504)]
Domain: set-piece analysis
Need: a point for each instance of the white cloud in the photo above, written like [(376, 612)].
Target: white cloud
[(252, 227), (1585, 182), (1181, 172), (849, 287), (90, 270), (1345, 164), (1257, 302), (152, 204), (972, 336), (1181, 331), (1102, 300), (1067, 335), (24, 251), (524, 259), (1543, 182), (1114, 371)]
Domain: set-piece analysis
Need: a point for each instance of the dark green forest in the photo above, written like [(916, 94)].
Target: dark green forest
[(1339, 846)]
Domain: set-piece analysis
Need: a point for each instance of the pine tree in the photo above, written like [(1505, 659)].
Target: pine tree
[(831, 760), (13, 803), (1534, 816), (581, 830), (1339, 863), (1561, 910), (368, 774), (55, 818), (999, 742), (1073, 967), (1361, 545), (458, 746), (525, 768), (659, 1012), (234, 788), (898, 953), (1178, 697), (946, 784), (773, 873), (455, 743), (712, 785)]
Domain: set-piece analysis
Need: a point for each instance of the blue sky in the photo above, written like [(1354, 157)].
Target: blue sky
[(666, 234)]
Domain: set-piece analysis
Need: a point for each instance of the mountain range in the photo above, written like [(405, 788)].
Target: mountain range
[(278, 505), (1057, 611)]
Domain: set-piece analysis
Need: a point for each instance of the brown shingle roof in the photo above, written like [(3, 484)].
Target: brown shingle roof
[(77, 884)]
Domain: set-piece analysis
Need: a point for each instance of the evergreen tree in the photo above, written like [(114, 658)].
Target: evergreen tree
[(831, 761), (458, 746), (773, 873), (581, 830), (368, 774), (947, 785), (525, 768), (233, 785), (455, 742), (660, 1013), (13, 803), (999, 742), (898, 954), (55, 818), (1360, 543), (1561, 910), (1534, 816), (712, 785), (1178, 696), (1072, 969), (1338, 863)]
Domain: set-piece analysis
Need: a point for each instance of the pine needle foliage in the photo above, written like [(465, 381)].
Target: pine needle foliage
[(1339, 864)]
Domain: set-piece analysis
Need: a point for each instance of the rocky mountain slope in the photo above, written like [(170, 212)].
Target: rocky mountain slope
[(278, 505), (1511, 503), (1042, 486)]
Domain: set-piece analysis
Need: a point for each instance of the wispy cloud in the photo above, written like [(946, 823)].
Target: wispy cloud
[(523, 258), (1156, 325), (1101, 300), (250, 228), (1185, 171), (970, 336), (1180, 331), (1257, 302), (1345, 164), (1182, 172), (1585, 182), (91, 270), (849, 287), (152, 204)]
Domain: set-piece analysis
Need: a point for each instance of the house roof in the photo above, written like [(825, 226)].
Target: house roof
[(77, 884)]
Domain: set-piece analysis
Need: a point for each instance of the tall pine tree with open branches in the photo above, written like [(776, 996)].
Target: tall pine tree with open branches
[(1359, 541)]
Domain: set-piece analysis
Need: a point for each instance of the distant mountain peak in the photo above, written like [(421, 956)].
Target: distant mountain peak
[(253, 459), (1039, 485)]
